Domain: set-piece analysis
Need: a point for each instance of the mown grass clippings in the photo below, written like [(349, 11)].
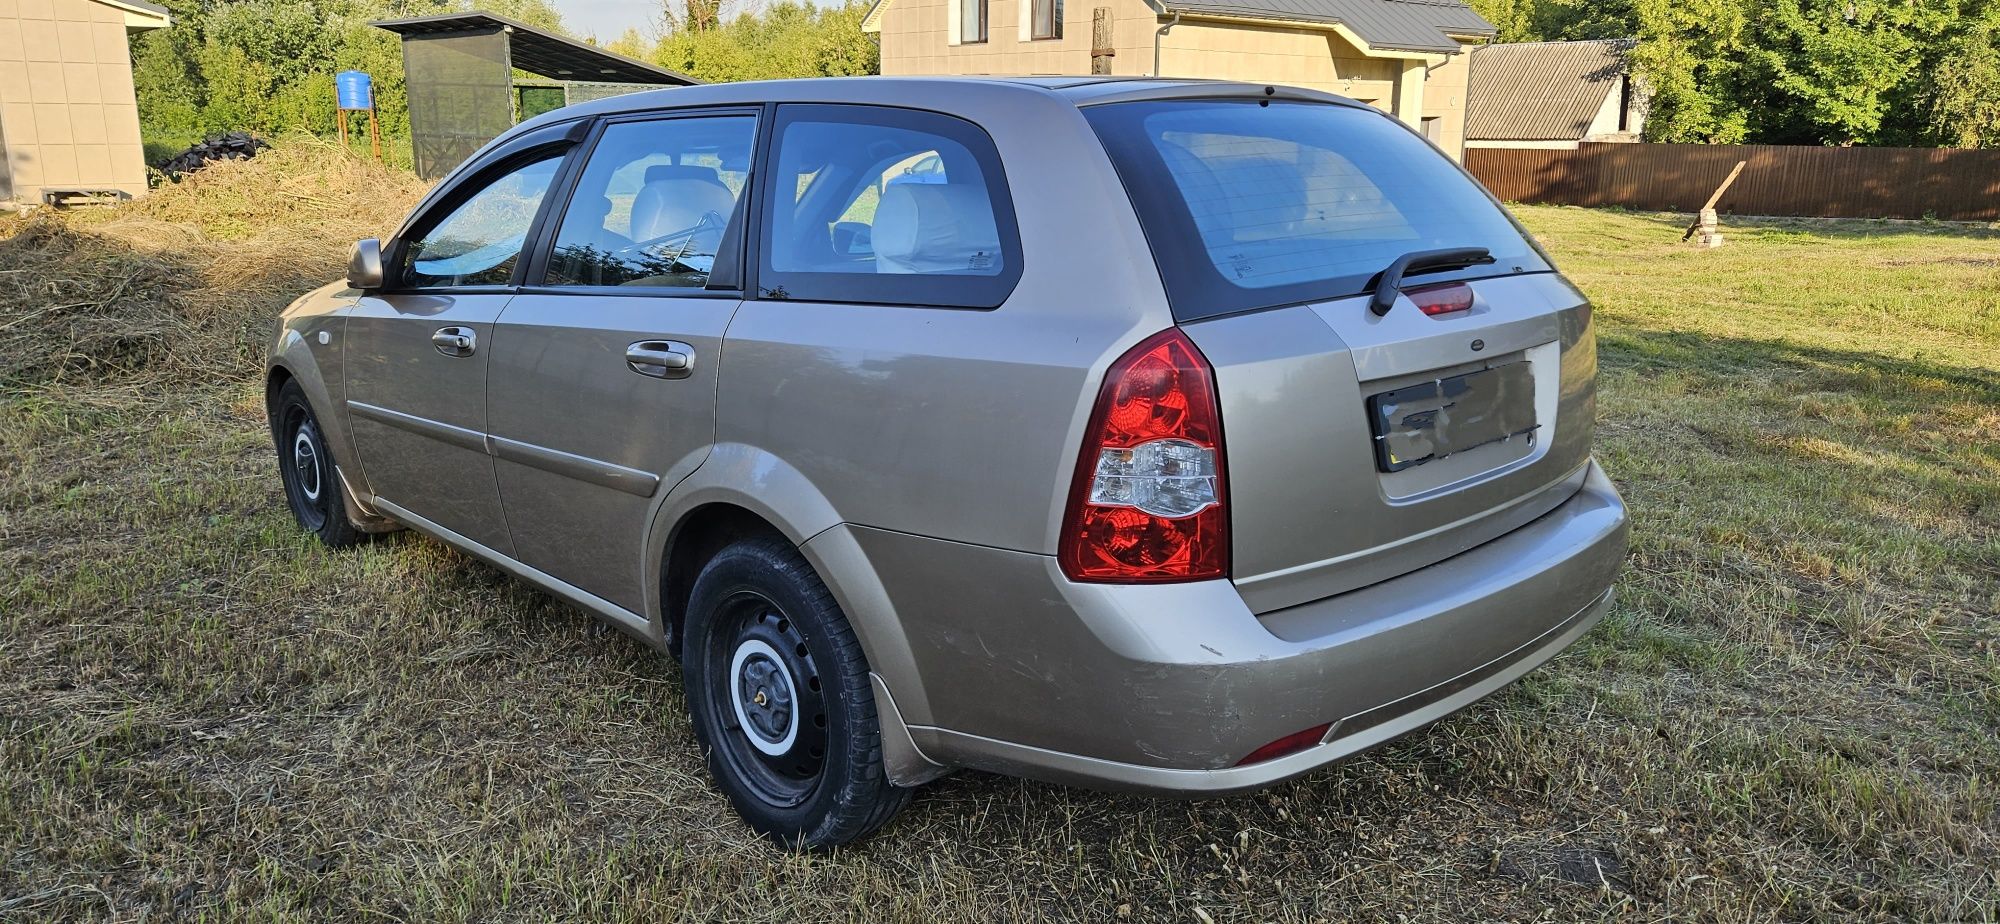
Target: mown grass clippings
[(1790, 714)]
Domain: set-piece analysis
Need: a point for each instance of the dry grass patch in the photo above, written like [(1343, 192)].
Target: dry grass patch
[(1791, 714)]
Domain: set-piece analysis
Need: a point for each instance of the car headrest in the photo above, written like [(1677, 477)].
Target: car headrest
[(661, 172), (676, 204), (936, 228)]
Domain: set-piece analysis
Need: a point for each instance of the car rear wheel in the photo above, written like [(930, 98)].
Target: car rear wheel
[(312, 485), (779, 692)]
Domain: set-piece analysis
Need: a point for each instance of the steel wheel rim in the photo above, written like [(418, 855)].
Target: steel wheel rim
[(778, 747), (305, 464), (306, 475)]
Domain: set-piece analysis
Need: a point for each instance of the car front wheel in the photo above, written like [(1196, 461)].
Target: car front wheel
[(312, 485), (779, 692)]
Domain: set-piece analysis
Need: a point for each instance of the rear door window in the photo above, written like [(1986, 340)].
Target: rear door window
[(1249, 204), (891, 206)]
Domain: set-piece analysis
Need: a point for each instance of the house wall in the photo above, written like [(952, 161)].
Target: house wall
[(1604, 126), (68, 111), (1444, 100), (918, 38)]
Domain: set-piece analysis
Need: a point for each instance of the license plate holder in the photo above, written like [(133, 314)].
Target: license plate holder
[(1431, 420)]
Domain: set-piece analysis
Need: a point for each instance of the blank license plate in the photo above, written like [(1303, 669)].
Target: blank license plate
[(1418, 423)]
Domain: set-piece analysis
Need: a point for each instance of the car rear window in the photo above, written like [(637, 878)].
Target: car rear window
[(1251, 203)]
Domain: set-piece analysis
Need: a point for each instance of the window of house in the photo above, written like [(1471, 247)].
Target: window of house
[(1047, 19), (478, 242), (971, 21), (654, 203), (893, 206)]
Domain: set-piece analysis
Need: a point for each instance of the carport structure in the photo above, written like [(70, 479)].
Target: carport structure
[(459, 72)]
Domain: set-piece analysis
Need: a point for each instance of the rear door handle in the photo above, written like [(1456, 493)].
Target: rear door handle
[(661, 359), (455, 341)]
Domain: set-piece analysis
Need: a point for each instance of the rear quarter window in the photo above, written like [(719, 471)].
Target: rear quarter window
[(885, 206), (1249, 204)]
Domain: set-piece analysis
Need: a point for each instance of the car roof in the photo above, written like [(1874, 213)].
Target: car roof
[(922, 92)]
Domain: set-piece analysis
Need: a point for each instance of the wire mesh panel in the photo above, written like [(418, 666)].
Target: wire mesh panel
[(461, 92), (585, 91)]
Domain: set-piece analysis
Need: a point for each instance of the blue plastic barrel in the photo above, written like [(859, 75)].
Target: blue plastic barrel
[(354, 90)]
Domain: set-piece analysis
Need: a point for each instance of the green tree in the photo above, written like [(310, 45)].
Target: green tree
[(1964, 100), (787, 39)]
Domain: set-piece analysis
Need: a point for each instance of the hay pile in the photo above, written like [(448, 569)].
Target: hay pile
[(183, 285)]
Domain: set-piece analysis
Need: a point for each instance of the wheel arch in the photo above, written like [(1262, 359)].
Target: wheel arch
[(746, 489), (292, 360)]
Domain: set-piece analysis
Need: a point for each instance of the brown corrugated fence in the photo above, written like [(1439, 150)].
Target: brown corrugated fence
[(1944, 183)]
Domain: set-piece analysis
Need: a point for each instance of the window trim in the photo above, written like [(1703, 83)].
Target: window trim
[(533, 279), (957, 24), (913, 290), (1028, 25)]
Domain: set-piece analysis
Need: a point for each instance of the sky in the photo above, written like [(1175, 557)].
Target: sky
[(608, 19)]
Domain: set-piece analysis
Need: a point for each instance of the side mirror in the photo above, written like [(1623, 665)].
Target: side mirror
[(853, 239), (364, 265)]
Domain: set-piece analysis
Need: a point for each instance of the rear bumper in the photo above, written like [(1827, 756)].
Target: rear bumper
[(1165, 688)]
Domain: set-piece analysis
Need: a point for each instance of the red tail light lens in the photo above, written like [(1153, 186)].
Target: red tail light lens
[(1147, 502), (1441, 299), (1290, 744)]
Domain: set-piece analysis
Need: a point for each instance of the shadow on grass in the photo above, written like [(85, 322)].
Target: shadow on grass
[(1659, 351)]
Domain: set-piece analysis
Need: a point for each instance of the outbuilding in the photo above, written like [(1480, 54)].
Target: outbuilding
[(1553, 95), (459, 70), (69, 117)]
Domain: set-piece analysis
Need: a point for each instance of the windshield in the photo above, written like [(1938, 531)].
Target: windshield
[(1249, 204)]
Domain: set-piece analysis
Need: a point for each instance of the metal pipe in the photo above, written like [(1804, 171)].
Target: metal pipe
[(1156, 41)]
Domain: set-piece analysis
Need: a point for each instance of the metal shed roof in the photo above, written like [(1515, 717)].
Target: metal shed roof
[(1541, 91), (543, 53)]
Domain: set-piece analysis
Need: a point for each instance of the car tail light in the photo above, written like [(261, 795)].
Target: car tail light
[(1147, 504), (1290, 744), (1441, 299)]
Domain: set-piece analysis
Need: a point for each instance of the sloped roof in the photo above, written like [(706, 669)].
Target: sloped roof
[(1391, 25), (1398, 25), (140, 14), (1540, 91), (543, 53)]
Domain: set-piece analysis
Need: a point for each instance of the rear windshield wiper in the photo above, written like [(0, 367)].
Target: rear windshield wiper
[(1390, 281)]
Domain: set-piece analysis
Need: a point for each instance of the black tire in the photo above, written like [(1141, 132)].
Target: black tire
[(312, 482), (801, 759)]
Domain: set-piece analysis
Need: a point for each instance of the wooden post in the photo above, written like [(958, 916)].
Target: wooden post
[(1705, 221), (1101, 50), (341, 120), (374, 135)]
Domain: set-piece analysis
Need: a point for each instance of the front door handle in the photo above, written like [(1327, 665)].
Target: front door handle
[(455, 341), (661, 359)]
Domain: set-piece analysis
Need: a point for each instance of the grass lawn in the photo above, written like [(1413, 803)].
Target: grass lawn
[(1793, 713)]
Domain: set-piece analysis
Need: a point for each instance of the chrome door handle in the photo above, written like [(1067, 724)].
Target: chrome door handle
[(661, 359), (455, 341)]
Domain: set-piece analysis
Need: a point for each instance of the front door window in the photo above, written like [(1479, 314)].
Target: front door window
[(478, 243)]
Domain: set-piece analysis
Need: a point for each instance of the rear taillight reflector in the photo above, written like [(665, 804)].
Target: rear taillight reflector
[(1147, 503), (1290, 744), (1441, 299)]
